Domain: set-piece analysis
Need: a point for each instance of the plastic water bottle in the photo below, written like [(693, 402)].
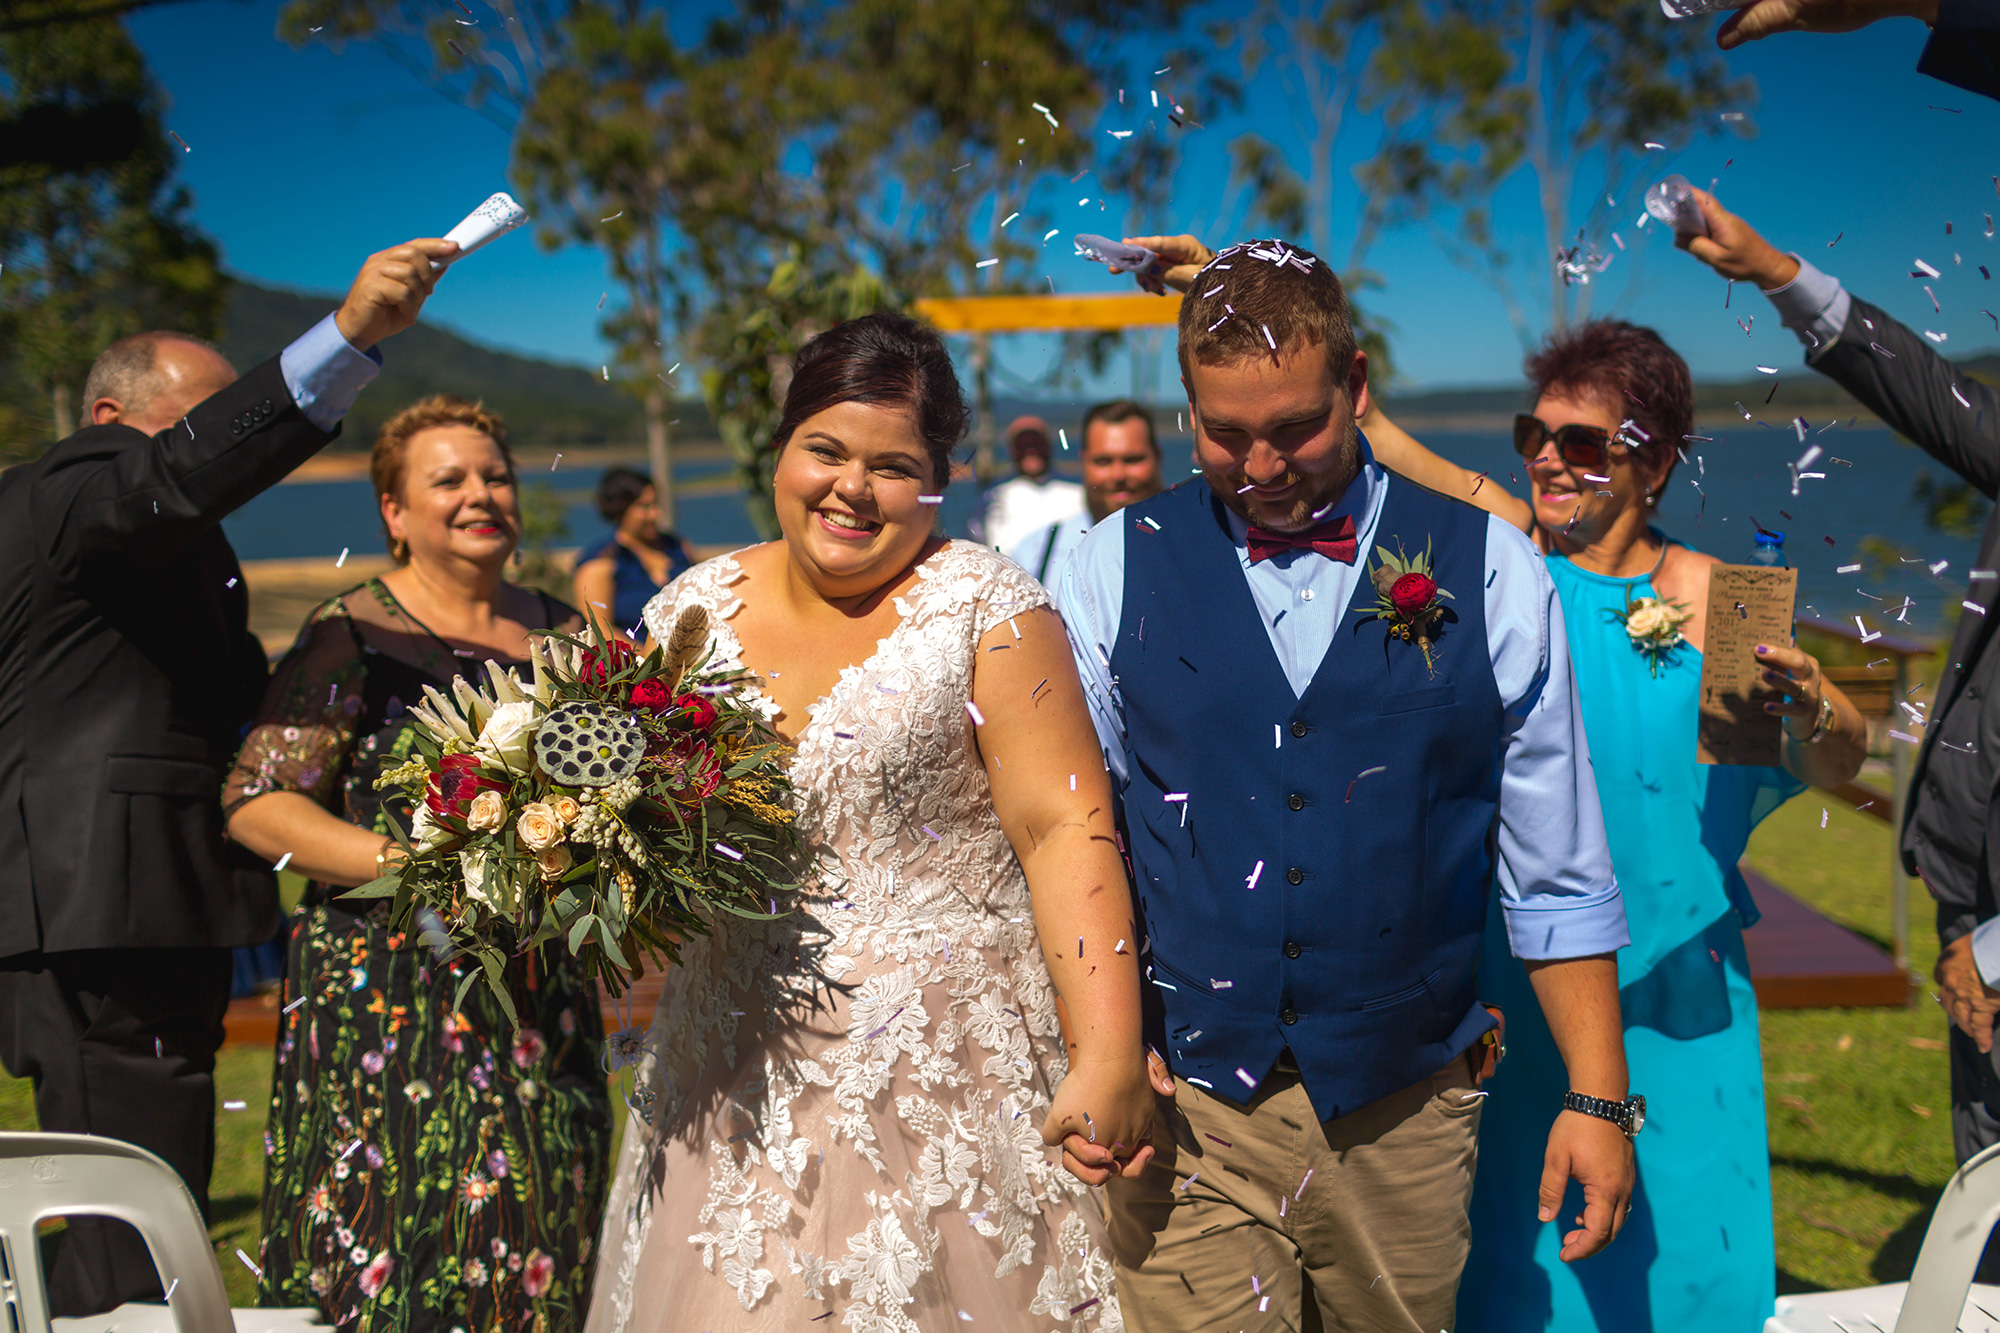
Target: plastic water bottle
[(1672, 202), (1770, 550)]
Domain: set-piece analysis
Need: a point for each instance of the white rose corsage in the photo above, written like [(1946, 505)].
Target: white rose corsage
[(1654, 626)]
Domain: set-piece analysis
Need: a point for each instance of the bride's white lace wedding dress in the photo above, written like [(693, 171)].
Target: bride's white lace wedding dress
[(846, 1102)]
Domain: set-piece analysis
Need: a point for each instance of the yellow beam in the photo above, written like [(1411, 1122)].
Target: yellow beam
[(1015, 314)]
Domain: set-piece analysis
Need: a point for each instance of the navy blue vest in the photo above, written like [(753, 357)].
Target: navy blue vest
[(1358, 946)]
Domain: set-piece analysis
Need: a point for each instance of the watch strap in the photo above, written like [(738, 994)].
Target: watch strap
[(1618, 1113)]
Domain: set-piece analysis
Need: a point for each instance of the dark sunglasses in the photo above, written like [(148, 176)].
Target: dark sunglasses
[(1577, 444)]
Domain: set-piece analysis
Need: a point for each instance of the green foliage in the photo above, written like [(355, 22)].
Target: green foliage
[(543, 526), (1568, 91), (1952, 507), (748, 346), (92, 252)]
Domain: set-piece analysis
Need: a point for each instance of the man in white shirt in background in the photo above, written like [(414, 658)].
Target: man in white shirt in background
[(1121, 466), (1031, 500)]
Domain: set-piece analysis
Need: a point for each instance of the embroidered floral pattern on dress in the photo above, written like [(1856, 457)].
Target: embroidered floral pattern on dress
[(861, 1083)]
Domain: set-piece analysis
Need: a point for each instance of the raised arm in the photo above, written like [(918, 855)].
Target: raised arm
[(1054, 801), (1399, 451), (99, 509), (1893, 372)]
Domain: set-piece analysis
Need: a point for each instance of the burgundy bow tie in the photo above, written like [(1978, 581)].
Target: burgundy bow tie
[(1333, 539)]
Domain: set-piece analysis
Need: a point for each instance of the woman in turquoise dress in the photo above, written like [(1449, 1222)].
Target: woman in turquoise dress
[(1613, 403)]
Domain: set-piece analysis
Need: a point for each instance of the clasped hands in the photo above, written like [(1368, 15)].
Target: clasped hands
[(1104, 1116), (1966, 997)]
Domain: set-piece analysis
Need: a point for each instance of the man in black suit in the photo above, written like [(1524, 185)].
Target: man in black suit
[(1964, 49), (1951, 827), (127, 674)]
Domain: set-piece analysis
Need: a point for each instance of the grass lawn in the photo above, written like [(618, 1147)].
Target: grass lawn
[(1859, 1099)]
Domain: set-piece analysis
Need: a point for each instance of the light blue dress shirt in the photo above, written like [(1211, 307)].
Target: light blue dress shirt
[(1814, 306), (325, 374), (1051, 546), (1553, 869)]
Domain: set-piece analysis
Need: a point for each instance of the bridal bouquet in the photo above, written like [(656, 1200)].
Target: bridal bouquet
[(612, 804)]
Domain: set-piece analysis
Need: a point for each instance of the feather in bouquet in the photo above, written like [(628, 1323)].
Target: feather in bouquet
[(612, 804)]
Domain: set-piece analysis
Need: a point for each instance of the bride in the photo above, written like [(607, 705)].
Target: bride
[(843, 1111)]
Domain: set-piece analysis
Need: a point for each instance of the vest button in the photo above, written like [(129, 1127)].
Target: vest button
[(1298, 728), (1296, 801), (1289, 1017), (1295, 876), (1292, 949)]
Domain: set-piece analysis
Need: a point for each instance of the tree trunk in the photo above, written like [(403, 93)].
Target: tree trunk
[(65, 418), (659, 454)]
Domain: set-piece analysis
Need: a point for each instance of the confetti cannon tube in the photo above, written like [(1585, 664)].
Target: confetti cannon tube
[(486, 223), (1672, 202), (1690, 9)]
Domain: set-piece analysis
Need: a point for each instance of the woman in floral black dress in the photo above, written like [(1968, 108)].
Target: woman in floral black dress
[(429, 1166)]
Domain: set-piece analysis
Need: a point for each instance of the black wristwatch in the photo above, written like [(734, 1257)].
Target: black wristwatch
[(1629, 1115)]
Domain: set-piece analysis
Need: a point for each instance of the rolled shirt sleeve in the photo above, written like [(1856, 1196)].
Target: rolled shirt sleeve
[(1813, 306), (325, 374), (1558, 895), (1090, 598)]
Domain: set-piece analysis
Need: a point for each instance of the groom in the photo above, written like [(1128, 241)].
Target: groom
[(1340, 712), (127, 672)]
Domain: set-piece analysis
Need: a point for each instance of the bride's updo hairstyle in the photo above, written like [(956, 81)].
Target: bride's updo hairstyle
[(883, 360)]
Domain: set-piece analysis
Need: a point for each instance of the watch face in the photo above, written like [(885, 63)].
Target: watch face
[(1638, 1105)]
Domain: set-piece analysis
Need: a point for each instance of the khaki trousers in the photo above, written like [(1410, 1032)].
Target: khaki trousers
[(1265, 1218)]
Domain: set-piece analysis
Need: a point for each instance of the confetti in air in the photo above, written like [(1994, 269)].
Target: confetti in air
[(283, 861)]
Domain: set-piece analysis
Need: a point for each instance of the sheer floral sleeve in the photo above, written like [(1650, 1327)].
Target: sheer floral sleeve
[(304, 734)]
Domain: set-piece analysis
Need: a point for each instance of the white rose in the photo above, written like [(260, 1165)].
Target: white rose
[(508, 738), (488, 812), (472, 865), (539, 827), (426, 832)]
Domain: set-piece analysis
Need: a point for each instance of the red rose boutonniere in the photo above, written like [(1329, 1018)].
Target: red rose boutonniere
[(1408, 597)]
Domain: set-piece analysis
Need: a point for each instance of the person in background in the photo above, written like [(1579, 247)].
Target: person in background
[(429, 1165), (618, 576), (1951, 825), (1964, 49), (1031, 500), (127, 671), (1121, 466)]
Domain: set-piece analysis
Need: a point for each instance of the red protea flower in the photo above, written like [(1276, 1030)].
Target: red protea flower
[(457, 781), (689, 765)]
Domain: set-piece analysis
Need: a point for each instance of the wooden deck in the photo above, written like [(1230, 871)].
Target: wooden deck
[(1798, 960), (1801, 960)]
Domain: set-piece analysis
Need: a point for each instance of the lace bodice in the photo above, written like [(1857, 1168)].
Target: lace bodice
[(885, 1053)]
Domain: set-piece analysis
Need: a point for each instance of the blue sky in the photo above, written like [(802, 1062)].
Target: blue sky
[(303, 162)]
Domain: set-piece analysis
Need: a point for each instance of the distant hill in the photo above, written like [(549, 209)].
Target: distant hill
[(545, 404), (1797, 392)]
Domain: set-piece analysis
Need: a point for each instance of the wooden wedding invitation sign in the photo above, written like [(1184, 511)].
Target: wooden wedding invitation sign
[(1747, 605)]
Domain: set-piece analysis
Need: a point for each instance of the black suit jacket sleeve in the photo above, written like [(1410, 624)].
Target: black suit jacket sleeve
[(1917, 393), (104, 503), (1964, 49)]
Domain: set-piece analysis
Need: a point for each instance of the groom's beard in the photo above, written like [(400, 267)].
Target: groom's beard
[(1313, 500)]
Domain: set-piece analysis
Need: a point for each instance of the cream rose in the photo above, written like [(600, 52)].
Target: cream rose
[(1653, 620), (539, 827), (555, 862), (567, 810), (488, 812)]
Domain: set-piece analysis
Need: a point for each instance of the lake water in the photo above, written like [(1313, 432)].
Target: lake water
[(1866, 493)]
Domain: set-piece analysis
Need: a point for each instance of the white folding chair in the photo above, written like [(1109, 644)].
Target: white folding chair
[(1940, 1296), (47, 1176)]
